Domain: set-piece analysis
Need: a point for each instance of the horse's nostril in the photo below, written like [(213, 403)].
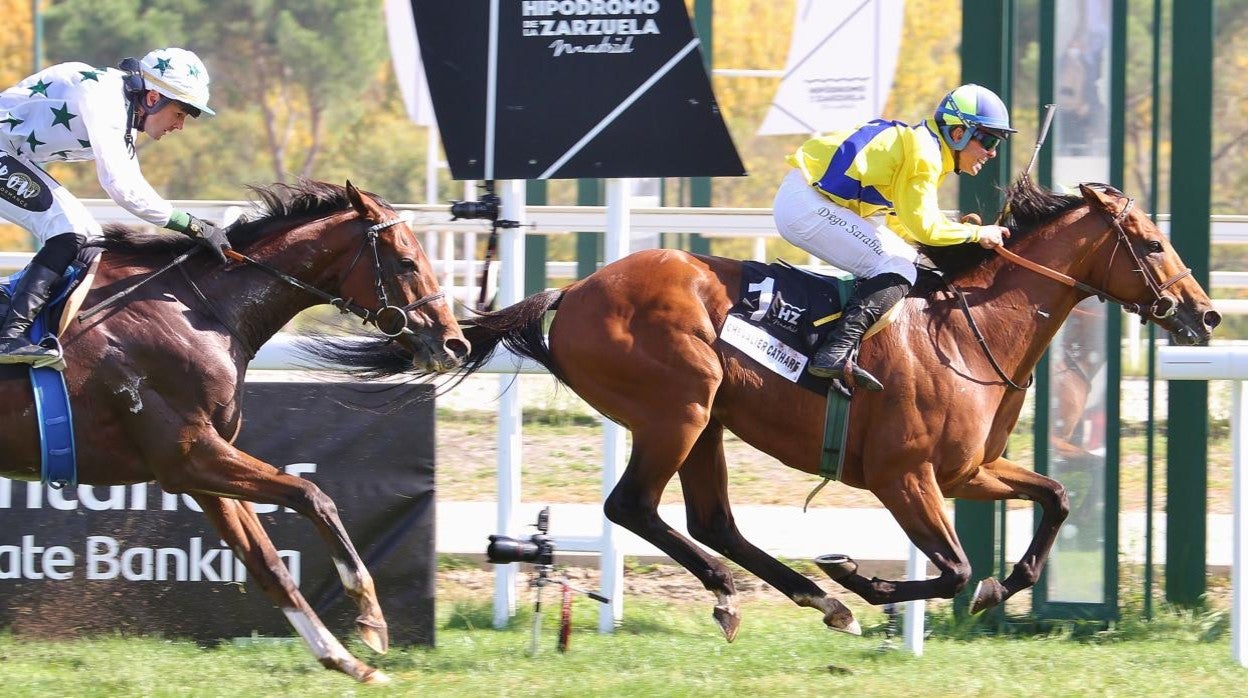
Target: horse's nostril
[(1212, 319), (458, 348)]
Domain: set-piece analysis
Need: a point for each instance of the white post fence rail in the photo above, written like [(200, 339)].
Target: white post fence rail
[(1224, 363)]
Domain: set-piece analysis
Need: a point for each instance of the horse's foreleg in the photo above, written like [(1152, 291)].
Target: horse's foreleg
[(241, 529), (708, 513), (914, 499), (1004, 479), (221, 469)]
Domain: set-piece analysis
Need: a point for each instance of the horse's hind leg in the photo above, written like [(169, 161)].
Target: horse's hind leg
[(634, 501), (241, 529), (1003, 479), (224, 470), (708, 513)]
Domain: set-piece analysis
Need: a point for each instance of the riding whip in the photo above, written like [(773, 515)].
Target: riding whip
[(1049, 111), (1045, 123), (112, 300)]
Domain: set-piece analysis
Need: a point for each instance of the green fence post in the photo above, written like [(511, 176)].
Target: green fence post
[(987, 62), (588, 245), (535, 245), (1187, 427)]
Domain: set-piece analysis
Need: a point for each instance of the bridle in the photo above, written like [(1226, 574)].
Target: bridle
[(344, 305), (1163, 307)]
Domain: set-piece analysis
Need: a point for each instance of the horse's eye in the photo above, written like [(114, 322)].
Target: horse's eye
[(408, 264), (1155, 246)]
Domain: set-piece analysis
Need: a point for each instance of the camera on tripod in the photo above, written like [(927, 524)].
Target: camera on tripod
[(484, 209), (538, 549)]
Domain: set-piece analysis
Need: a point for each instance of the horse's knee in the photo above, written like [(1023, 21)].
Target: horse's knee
[(320, 503), (1061, 507), (1056, 502)]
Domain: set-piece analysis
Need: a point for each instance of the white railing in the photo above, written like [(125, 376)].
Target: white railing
[(451, 245), (1224, 363)]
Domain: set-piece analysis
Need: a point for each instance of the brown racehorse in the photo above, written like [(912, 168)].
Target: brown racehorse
[(638, 341), (157, 382)]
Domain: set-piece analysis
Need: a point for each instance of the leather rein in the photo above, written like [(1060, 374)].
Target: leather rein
[(1163, 306), (344, 305)]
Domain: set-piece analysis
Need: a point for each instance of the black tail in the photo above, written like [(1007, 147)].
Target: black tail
[(518, 327)]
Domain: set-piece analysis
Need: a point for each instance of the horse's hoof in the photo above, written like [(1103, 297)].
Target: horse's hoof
[(837, 616), (376, 678), (988, 593), (729, 620), (374, 634), (837, 567)]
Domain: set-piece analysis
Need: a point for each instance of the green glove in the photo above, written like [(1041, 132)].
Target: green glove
[(207, 234)]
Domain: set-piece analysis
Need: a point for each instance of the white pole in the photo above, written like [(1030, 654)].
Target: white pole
[(612, 562), (431, 166), (912, 622), (510, 291), (615, 246), (1239, 497)]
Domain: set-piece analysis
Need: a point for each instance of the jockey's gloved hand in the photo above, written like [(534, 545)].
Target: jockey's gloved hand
[(206, 233)]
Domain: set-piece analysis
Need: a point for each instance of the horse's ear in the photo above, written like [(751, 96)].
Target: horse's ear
[(1096, 198), (357, 199)]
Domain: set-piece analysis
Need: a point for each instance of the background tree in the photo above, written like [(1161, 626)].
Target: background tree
[(15, 64), (282, 75)]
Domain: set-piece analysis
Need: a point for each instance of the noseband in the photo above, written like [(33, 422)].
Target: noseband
[(370, 241), (346, 305)]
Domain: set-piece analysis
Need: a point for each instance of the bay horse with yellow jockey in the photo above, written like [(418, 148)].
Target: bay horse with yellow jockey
[(639, 340)]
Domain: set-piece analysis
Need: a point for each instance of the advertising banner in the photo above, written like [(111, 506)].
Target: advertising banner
[(561, 89), (840, 69), (134, 559)]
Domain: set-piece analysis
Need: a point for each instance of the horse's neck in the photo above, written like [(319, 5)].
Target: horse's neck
[(262, 304), (1025, 309)]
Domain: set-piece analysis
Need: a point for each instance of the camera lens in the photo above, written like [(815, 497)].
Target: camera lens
[(503, 550)]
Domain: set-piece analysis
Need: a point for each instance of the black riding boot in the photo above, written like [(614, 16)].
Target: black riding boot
[(31, 294), (871, 299)]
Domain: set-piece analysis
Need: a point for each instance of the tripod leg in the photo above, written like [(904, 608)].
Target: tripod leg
[(537, 621), (565, 619)]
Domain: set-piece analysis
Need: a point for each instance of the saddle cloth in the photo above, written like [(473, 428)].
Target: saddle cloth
[(75, 284), (53, 412)]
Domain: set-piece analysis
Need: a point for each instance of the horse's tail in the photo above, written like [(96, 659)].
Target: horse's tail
[(518, 327)]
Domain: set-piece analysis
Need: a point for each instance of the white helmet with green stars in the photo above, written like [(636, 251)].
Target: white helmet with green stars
[(179, 75)]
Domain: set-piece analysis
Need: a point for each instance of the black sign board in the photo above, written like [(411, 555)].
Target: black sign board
[(561, 89), (134, 559)]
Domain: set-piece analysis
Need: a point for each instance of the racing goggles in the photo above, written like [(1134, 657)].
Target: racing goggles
[(989, 139)]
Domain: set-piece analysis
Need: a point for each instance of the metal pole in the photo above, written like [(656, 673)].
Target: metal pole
[(37, 39), (1239, 487), (912, 624), (510, 288), (615, 246), (1149, 437)]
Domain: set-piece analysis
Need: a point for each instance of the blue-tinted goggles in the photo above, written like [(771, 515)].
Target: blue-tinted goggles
[(986, 138)]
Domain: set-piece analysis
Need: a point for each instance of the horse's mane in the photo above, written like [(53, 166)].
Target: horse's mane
[(304, 199), (1030, 207)]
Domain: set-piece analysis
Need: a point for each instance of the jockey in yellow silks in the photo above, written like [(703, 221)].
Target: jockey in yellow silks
[(885, 168)]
